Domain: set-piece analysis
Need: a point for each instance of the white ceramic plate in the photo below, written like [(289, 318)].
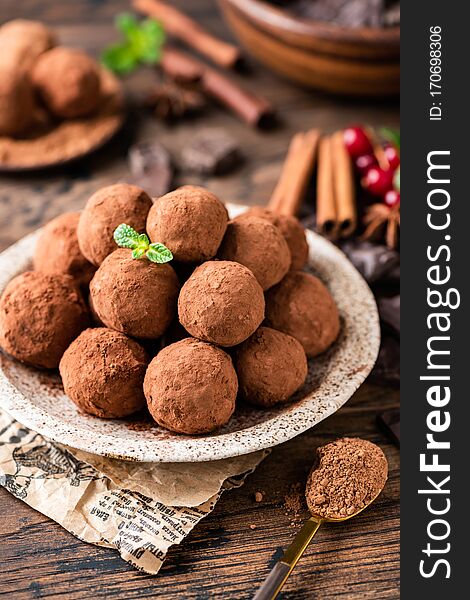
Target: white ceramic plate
[(36, 398)]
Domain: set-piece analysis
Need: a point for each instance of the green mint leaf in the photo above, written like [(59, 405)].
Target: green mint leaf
[(119, 59), (127, 237), (126, 23), (391, 135), (138, 253), (396, 179), (158, 253)]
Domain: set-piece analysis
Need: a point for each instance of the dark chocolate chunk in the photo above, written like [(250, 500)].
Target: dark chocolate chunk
[(389, 422), (389, 310), (151, 167), (211, 152), (373, 261), (387, 367)]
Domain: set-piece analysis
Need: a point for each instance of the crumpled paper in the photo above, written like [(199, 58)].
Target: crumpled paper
[(139, 509)]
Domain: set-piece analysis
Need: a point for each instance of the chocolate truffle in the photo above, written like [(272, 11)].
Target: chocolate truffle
[(16, 100), (292, 230), (57, 250), (260, 246), (271, 366), (105, 210), (191, 221), (68, 82), (191, 387), (222, 303), (103, 373), (39, 316), (134, 296), (302, 306), (23, 41)]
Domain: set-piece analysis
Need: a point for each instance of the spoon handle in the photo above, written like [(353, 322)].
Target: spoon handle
[(273, 583)]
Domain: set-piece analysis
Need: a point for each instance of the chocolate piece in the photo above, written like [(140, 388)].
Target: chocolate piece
[(271, 366), (23, 41), (373, 261), (260, 246), (103, 373), (68, 82), (57, 250), (302, 306), (222, 303), (211, 152), (389, 422), (150, 164), (105, 210), (191, 387), (39, 316), (190, 221), (134, 296), (386, 370), (171, 101), (389, 310)]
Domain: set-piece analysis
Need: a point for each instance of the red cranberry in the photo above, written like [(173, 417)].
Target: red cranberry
[(392, 156), (392, 198), (364, 163), (378, 181), (357, 142)]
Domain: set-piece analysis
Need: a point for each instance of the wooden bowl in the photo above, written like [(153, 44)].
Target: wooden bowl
[(362, 61)]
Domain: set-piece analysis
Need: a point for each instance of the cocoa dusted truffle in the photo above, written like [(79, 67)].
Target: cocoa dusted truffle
[(191, 387), (105, 210), (103, 373), (302, 306), (260, 246), (271, 366), (68, 82), (23, 41), (16, 100), (57, 250), (39, 316), (135, 297), (222, 303), (292, 230), (191, 221)]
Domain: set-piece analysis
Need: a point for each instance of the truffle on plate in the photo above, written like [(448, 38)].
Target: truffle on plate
[(260, 246), (271, 366), (103, 373), (191, 221), (23, 41), (191, 387), (68, 82), (222, 303), (134, 296), (302, 306), (39, 316), (57, 250), (105, 210), (290, 227), (17, 109)]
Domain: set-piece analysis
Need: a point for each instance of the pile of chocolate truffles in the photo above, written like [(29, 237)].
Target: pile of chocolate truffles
[(233, 315), (41, 82)]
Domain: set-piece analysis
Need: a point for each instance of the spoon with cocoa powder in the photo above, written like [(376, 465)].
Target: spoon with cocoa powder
[(348, 476)]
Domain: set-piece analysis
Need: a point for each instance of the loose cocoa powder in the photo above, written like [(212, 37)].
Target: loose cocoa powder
[(350, 473)]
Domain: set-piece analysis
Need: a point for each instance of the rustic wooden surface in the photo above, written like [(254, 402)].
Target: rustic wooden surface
[(223, 557)]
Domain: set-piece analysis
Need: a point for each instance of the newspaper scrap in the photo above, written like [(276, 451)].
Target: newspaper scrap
[(139, 509)]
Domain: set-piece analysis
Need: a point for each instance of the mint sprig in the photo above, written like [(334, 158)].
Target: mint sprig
[(127, 237), (142, 43), (392, 136)]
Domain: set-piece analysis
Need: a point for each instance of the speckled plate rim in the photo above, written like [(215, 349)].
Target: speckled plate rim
[(338, 385)]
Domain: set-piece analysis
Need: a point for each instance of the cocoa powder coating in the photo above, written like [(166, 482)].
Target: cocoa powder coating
[(349, 474), (39, 316), (135, 297), (191, 387), (302, 306), (222, 303), (260, 246), (57, 250), (103, 373), (22, 41), (105, 210), (190, 221), (67, 81), (271, 366), (16, 100)]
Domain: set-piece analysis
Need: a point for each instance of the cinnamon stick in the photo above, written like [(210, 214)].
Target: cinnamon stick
[(254, 110), (344, 188), (290, 190), (326, 204), (191, 33)]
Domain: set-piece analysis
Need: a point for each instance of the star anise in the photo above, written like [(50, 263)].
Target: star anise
[(380, 220), (170, 101)]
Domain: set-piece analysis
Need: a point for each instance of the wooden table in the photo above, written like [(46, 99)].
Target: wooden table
[(223, 557)]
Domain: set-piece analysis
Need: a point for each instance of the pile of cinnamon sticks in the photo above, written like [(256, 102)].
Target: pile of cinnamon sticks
[(185, 69), (336, 213)]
